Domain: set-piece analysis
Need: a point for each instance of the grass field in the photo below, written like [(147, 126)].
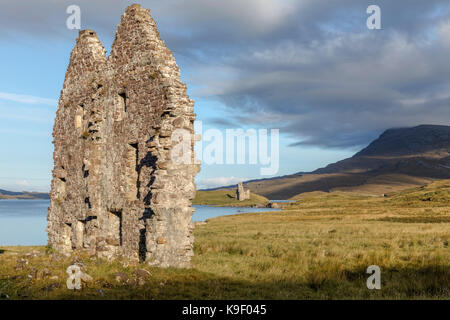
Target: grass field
[(316, 248), (227, 197)]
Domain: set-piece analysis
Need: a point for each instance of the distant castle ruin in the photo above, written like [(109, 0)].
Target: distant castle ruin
[(116, 191), (241, 193)]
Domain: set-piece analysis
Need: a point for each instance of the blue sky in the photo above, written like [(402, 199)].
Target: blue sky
[(309, 68), (32, 77)]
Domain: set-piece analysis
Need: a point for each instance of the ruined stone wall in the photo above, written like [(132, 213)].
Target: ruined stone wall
[(116, 190), (241, 193)]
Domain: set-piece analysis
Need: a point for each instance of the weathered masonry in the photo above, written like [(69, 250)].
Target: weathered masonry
[(241, 193), (115, 189)]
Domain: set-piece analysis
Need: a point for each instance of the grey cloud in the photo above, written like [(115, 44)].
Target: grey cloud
[(308, 67), (221, 122)]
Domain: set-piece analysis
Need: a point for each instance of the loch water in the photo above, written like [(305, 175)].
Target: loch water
[(24, 222)]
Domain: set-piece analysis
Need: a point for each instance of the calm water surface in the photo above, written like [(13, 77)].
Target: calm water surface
[(205, 212), (23, 222)]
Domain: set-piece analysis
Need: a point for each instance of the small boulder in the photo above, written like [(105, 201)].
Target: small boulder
[(121, 277), (85, 277), (142, 274), (43, 273), (21, 264), (33, 254)]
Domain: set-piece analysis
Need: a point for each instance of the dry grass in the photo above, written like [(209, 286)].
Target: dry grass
[(316, 248), (320, 248), (354, 182), (386, 184)]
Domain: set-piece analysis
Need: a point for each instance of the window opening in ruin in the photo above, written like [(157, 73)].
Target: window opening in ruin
[(67, 241), (115, 224), (121, 107), (85, 172), (60, 188), (135, 147), (79, 116), (123, 101), (148, 214), (79, 234), (132, 171), (142, 245)]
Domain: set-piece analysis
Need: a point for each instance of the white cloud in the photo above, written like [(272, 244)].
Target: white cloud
[(443, 32), (219, 182), (20, 185), (23, 183), (309, 66), (250, 16), (21, 98)]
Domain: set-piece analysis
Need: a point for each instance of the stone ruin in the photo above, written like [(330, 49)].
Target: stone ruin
[(241, 193), (115, 190)]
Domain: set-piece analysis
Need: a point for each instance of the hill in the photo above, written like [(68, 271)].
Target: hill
[(4, 194), (399, 159), (436, 194), (419, 151), (317, 248), (227, 197)]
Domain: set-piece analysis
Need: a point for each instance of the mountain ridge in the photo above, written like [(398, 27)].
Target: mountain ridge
[(398, 159), (25, 195)]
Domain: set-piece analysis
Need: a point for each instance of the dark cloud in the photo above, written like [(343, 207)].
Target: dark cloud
[(310, 68), (221, 122)]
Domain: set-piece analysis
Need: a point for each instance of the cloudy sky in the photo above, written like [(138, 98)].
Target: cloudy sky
[(310, 68)]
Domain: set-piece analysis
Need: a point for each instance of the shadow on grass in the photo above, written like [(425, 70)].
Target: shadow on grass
[(2, 251), (417, 219), (428, 282)]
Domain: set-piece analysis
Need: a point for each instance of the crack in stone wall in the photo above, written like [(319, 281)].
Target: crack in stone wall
[(115, 189)]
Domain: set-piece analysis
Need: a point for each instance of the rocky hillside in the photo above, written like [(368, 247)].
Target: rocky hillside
[(398, 159), (422, 151), (4, 194)]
